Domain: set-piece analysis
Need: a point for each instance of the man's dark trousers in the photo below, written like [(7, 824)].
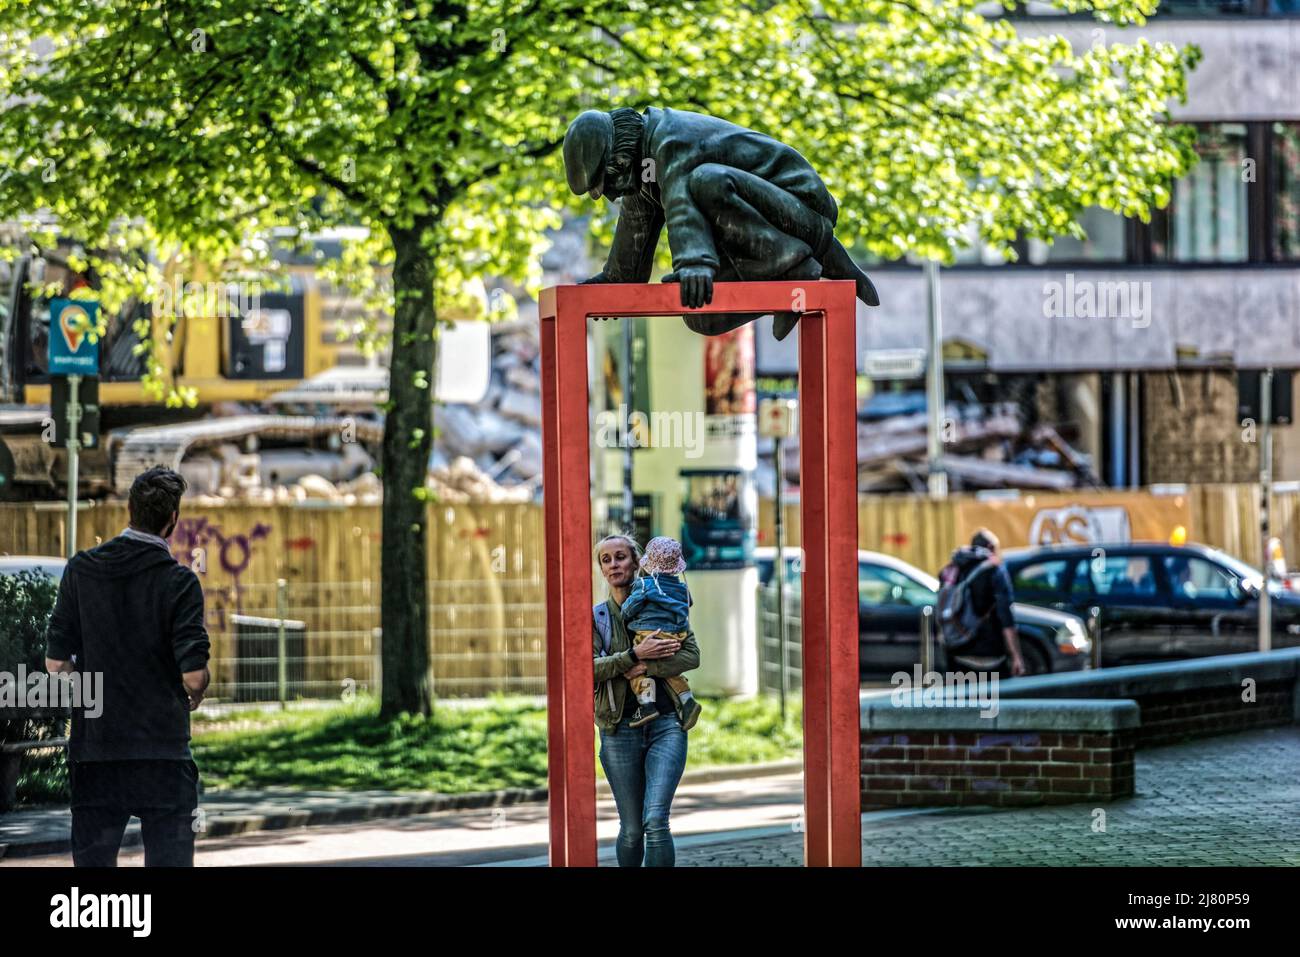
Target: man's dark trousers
[(163, 794)]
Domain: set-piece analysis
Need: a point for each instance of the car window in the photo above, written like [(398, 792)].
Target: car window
[(1192, 577), (1119, 576), (1039, 578), (878, 585)]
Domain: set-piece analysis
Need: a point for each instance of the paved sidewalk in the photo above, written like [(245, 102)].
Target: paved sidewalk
[(1232, 800), (735, 807), (42, 831)]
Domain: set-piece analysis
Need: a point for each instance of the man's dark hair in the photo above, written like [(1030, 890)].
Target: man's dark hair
[(984, 539), (155, 494)]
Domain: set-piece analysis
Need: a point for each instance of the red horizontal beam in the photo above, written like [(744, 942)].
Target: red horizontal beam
[(664, 299)]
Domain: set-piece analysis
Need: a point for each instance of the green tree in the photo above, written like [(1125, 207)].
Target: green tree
[(435, 123)]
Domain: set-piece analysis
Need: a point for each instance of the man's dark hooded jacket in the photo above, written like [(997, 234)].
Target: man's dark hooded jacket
[(679, 141), (131, 612)]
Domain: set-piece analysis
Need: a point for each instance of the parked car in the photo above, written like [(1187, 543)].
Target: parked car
[(891, 594), (1158, 602), (13, 564)]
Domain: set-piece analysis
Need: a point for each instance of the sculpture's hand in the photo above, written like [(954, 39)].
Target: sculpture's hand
[(697, 285)]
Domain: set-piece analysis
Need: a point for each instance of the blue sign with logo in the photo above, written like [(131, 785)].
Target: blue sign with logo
[(71, 351)]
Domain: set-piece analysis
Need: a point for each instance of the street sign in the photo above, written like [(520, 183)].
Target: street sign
[(71, 351), (894, 363), (1249, 397), (778, 418), (88, 396)]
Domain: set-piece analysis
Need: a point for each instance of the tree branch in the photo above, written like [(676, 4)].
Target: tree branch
[(312, 167)]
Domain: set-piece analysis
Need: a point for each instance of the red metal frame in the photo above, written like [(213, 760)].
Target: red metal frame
[(828, 496)]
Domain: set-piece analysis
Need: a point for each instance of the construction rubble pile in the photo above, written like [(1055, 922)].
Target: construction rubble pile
[(984, 447), (502, 435), (365, 489)]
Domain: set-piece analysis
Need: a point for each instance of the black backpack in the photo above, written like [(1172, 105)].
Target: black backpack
[(959, 623)]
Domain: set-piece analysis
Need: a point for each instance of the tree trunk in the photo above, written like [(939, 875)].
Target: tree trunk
[(408, 440)]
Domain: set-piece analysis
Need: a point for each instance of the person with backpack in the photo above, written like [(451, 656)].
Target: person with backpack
[(642, 764), (974, 608)]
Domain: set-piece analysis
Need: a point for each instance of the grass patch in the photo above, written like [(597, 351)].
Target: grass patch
[(453, 751)]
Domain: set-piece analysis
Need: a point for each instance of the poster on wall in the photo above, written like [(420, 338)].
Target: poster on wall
[(718, 518), (730, 403)]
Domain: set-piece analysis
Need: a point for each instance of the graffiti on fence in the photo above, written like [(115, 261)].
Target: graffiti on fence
[(196, 541)]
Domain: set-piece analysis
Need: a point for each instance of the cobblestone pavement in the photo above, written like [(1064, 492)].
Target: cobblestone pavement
[(1226, 801)]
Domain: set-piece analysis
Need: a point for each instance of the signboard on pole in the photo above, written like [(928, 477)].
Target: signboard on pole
[(71, 351), (88, 397), (894, 363)]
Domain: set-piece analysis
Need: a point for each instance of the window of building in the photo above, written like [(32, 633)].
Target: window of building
[(1207, 221), (1105, 241), (1285, 240)]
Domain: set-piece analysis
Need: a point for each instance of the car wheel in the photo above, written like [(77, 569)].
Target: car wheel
[(1036, 661)]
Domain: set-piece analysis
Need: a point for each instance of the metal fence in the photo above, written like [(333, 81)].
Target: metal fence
[(484, 638), (769, 641)]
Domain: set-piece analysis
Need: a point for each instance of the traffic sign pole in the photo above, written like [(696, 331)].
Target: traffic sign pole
[(1265, 496), (74, 447), (937, 478)]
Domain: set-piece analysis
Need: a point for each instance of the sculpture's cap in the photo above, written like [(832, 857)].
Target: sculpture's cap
[(587, 146)]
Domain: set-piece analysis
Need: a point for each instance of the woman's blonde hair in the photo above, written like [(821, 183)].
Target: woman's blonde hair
[(631, 543)]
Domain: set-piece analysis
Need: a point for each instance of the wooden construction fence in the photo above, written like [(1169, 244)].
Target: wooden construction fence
[(487, 621), (486, 566)]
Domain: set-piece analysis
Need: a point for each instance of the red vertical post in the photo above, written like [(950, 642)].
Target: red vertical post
[(814, 585), (571, 767), (828, 496), (842, 668)]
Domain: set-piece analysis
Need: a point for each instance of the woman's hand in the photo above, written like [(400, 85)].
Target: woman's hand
[(636, 671), (650, 648)]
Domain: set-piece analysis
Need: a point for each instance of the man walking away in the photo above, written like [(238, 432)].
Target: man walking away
[(990, 597), (129, 611)]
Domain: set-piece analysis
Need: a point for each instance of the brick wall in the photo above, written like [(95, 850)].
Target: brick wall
[(1003, 769), (1178, 716)]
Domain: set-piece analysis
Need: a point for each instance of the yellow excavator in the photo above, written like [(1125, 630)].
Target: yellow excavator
[(235, 357)]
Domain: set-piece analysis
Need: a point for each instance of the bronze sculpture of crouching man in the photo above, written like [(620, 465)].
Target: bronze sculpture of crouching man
[(739, 206)]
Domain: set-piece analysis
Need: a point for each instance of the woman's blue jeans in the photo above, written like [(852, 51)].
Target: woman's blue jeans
[(643, 766)]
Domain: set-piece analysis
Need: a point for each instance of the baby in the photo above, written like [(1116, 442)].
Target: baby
[(659, 601)]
